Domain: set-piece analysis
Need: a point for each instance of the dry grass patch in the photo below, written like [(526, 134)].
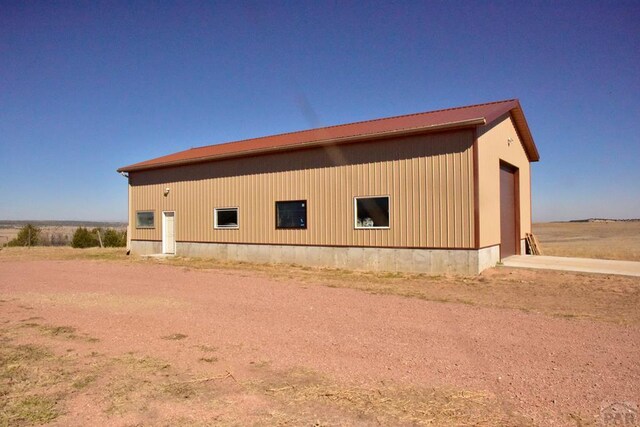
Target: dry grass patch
[(101, 300), (31, 383), (84, 381), (145, 385), (65, 253), (303, 394), (174, 337), (37, 385), (66, 332), (604, 240), (36, 409), (130, 383)]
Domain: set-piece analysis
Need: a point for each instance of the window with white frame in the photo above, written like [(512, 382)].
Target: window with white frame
[(145, 219), (371, 212), (225, 218)]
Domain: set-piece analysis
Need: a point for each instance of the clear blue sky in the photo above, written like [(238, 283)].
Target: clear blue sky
[(86, 87)]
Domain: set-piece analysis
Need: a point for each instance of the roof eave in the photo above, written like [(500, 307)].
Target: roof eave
[(479, 121), (525, 133)]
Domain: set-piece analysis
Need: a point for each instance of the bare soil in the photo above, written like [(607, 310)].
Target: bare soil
[(123, 341)]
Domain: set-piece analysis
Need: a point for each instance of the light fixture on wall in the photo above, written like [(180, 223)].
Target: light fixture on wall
[(509, 141), (166, 192)]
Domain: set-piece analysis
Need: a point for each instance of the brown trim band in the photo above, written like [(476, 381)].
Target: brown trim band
[(322, 246), (518, 212), (530, 204), (329, 246), (476, 191), (489, 246)]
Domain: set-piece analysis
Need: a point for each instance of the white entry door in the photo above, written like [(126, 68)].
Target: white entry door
[(168, 233)]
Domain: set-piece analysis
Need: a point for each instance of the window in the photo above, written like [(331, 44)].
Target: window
[(372, 212), (291, 214), (225, 218), (145, 219)]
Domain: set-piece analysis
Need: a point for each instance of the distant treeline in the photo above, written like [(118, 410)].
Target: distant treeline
[(605, 220), (89, 224), (31, 235)]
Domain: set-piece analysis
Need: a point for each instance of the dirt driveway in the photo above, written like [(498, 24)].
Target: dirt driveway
[(147, 344)]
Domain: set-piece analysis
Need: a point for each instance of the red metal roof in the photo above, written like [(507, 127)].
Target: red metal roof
[(452, 118)]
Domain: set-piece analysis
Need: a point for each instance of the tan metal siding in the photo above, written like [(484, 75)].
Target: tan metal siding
[(492, 148), (428, 179)]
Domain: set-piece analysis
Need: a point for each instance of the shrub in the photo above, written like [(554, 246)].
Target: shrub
[(59, 239), (53, 239), (28, 235), (45, 239), (83, 238), (114, 238)]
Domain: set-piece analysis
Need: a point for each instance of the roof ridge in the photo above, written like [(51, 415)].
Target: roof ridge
[(355, 123)]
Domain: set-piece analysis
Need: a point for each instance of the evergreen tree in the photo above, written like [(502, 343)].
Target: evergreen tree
[(28, 235), (83, 238), (114, 238)]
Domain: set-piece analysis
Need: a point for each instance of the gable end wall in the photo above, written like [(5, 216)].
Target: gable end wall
[(493, 147)]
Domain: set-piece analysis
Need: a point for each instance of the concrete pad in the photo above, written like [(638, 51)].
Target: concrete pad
[(158, 256), (585, 265)]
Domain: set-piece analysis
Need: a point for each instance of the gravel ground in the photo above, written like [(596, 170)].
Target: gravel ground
[(554, 371)]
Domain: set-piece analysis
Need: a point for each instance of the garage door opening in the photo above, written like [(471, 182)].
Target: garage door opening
[(509, 210)]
